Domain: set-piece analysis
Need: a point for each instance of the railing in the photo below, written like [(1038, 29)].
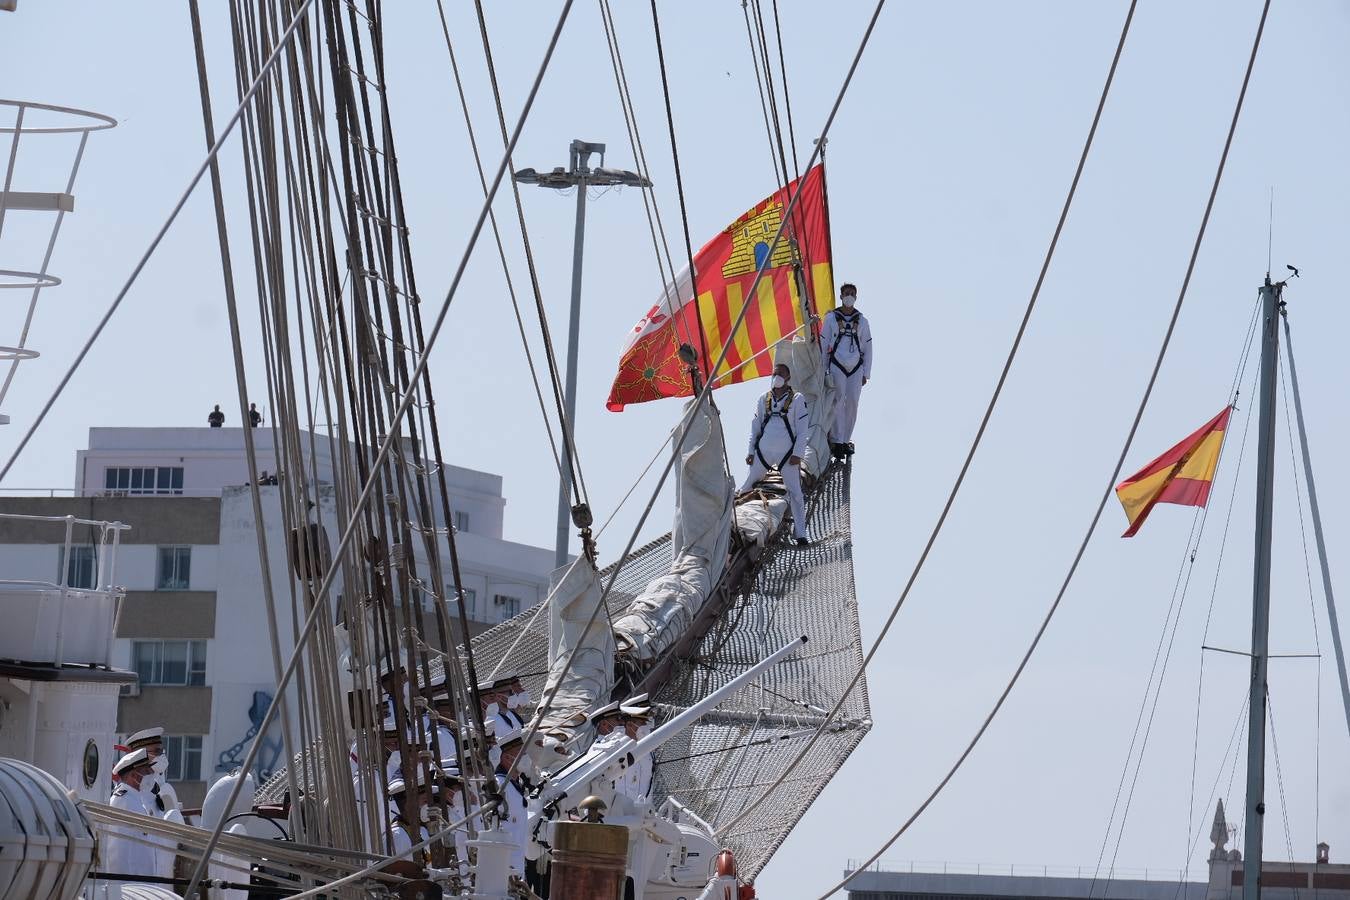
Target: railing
[(1020, 869), (105, 561)]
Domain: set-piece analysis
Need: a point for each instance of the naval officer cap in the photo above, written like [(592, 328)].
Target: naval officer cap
[(636, 707), (609, 709), (130, 761), (504, 680), (145, 737)]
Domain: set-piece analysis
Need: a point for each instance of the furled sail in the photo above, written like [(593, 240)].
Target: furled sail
[(588, 680), (702, 532)]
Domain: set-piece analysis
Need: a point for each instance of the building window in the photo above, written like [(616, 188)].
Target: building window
[(461, 521), (81, 568), (175, 568), (124, 481), (175, 663), (185, 757), (507, 606)]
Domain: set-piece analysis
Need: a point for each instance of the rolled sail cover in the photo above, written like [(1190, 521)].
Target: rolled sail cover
[(590, 678), (810, 378), (699, 539)]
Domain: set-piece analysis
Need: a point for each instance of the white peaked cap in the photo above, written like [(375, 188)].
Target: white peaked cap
[(500, 681), (131, 760), (146, 735), (636, 705), (607, 709)]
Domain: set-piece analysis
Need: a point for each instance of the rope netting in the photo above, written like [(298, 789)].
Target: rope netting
[(720, 765)]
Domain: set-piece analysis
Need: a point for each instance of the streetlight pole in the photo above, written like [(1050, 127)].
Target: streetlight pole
[(581, 176)]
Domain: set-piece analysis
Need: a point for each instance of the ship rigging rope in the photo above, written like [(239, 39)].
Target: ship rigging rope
[(1312, 610), (267, 66), (763, 102), (546, 704), (787, 98), (1193, 832), (497, 239), (684, 209), (360, 502), (1180, 593), (1115, 473), (665, 264), (573, 462), (989, 409)]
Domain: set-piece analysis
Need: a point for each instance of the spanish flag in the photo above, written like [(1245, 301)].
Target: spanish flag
[(702, 314), (1182, 475)]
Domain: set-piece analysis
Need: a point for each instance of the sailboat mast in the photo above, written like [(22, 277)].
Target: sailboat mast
[(1256, 723)]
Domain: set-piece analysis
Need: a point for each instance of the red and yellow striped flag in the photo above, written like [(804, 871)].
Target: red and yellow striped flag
[(650, 366), (1182, 475)]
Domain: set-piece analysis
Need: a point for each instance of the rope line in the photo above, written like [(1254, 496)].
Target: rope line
[(989, 409), (1120, 461)]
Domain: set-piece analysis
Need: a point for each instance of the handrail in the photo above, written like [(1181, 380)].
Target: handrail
[(118, 526)]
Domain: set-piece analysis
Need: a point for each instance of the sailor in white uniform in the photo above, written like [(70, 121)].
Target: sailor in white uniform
[(778, 434), (122, 850), (442, 718), (165, 801), (846, 346), (514, 819), (505, 692), (637, 778), (403, 834)]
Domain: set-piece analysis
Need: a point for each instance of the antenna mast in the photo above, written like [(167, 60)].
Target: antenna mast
[(1256, 724)]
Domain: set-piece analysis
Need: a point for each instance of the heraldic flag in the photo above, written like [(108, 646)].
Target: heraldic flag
[(1182, 475), (650, 366)]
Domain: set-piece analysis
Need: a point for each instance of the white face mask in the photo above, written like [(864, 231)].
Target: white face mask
[(779, 381), (849, 300), (149, 783), (160, 764), (424, 813), (517, 700)]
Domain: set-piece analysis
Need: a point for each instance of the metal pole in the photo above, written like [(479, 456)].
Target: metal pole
[(1317, 527), (570, 395), (1265, 479)]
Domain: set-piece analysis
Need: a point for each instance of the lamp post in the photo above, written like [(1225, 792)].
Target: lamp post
[(581, 176)]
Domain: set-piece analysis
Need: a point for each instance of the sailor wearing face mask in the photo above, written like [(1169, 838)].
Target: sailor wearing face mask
[(403, 834), (778, 434), (846, 343), (514, 818), (151, 740), (506, 693), (160, 795), (122, 848), (442, 716), (637, 778)]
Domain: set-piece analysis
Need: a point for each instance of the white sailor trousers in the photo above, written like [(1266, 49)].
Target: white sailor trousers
[(846, 408)]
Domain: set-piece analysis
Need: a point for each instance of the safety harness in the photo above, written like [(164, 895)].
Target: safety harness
[(768, 413), (848, 328)]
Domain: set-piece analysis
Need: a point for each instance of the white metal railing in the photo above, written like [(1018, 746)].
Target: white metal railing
[(110, 536), (929, 867)]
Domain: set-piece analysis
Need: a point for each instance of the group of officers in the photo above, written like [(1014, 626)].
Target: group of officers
[(438, 792), (780, 426), (141, 787)]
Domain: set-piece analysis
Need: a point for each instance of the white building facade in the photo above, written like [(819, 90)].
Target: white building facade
[(194, 624)]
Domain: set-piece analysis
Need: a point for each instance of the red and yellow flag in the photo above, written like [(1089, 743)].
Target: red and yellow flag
[(703, 316), (1182, 475)]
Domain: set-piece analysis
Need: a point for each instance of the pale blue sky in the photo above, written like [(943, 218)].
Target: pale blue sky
[(947, 167)]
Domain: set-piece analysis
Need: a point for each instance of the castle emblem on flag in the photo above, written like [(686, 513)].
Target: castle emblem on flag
[(750, 240)]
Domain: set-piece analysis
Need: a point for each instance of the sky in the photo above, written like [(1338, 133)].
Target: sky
[(947, 166)]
